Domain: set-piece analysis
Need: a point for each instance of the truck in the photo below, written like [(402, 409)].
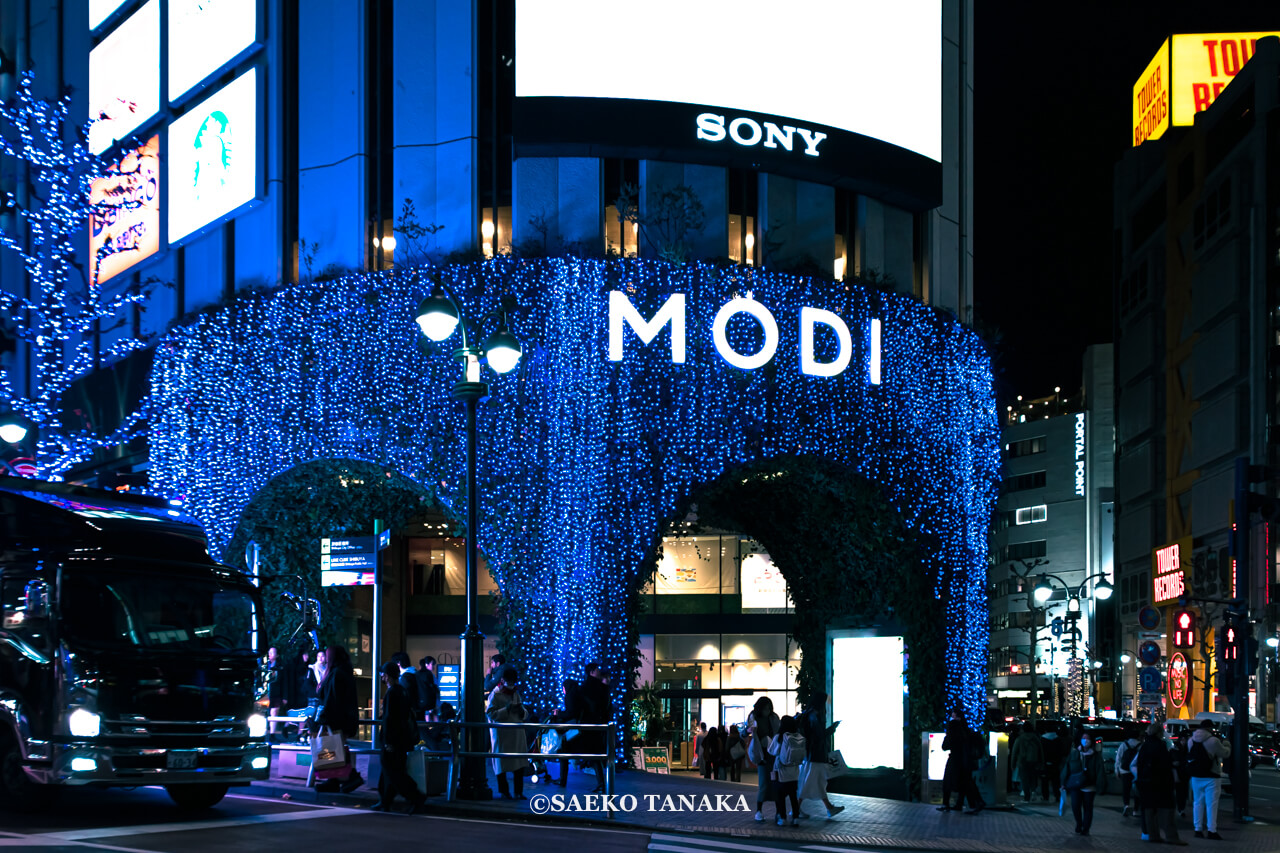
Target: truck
[(128, 655)]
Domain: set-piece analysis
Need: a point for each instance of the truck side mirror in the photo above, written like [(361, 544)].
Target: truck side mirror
[(36, 595)]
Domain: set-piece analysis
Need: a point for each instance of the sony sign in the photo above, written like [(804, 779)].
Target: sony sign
[(749, 132), (623, 314)]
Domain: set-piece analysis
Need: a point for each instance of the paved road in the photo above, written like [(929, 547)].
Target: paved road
[(145, 820)]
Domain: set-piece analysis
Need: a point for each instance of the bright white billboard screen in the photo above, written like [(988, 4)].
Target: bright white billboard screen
[(124, 78), (205, 35), (866, 696), (100, 10), (869, 67), (213, 157)]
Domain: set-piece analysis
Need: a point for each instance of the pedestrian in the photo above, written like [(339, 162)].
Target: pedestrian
[(735, 751), (1155, 782), (493, 677), (711, 748), (399, 735), (813, 783), (1125, 753), (569, 713), (506, 706), (428, 689), (788, 750), (1027, 757), (952, 781), (1081, 777), (339, 710), (1182, 787), (1052, 743), (277, 687), (320, 668), (976, 758), (763, 726), (700, 735), (596, 707), (304, 681), (408, 679), (1204, 764)]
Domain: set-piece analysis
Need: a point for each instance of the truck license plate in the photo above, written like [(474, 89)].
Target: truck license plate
[(185, 760)]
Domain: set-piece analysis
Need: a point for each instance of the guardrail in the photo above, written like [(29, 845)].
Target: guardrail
[(455, 753)]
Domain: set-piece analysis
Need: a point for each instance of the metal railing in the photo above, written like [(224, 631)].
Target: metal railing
[(455, 752)]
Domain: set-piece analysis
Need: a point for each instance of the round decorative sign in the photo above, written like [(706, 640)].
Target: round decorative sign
[(1179, 677), (1149, 652)]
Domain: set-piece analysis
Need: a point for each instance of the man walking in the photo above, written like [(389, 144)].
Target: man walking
[(428, 690), (399, 735), (1204, 761), (953, 744)]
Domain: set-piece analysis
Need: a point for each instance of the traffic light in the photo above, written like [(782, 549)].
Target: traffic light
[(1227, 650), (1184, 629)]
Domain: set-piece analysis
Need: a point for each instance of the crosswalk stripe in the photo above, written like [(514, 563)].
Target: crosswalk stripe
[(686, 844), (143, 829)]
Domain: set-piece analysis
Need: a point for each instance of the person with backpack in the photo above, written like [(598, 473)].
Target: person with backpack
[(763, 726), (1204, 764), (1155, 782), (1027, 757), (788, 751), (1125, 753)]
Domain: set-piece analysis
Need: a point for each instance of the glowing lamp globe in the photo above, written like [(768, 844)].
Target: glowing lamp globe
[(436, 317), (503, 351)]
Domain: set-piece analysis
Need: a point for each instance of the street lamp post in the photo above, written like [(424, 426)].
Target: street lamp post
[(437, 316), (1044, 591)]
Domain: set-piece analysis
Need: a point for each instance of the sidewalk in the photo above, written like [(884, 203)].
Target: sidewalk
[(866, 821)]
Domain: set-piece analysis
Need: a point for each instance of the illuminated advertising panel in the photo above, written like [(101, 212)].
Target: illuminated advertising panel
[(829, 91), (863, 667), (125, 223), (214, 157), (1203, 65), (1151, 99), (124, 78), (204, 36), (763, 586), (1170, 567), (1186, 75)]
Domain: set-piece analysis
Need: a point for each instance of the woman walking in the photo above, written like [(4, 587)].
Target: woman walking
[(762, 725), (339, 710), (1081, 775), (506, 706)]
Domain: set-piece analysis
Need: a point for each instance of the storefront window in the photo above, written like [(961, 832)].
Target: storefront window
[(438, 566), (735, 567)]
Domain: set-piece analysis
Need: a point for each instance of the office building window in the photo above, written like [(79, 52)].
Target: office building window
[(1031, 514), (1025, 447), (1024, 551), (1022, 482)]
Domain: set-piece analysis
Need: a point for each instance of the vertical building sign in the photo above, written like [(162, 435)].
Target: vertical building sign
[(1080, 454), (125, 223)]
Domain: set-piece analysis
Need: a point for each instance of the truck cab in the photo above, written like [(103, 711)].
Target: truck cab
[(128, 656)]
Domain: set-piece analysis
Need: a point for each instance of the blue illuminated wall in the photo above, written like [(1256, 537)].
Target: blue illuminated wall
[(583, 460)]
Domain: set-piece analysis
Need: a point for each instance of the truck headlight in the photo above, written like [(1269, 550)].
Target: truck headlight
[(257, 726), (84, 723)]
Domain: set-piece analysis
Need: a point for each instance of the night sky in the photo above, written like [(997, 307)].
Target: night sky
[(1052, 118)]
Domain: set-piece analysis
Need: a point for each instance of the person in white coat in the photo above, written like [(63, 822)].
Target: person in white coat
[(505, 706), (1204, 762)]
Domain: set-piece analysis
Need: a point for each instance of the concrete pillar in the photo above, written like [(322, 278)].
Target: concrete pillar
[(558, 199), (332, 148), (885, 240), (796, 227), (435, 122)]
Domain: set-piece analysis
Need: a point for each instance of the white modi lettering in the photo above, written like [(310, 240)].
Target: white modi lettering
[(748, 132), (622, 314)]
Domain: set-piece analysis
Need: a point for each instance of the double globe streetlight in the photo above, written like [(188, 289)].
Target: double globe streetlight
[(437, 316)]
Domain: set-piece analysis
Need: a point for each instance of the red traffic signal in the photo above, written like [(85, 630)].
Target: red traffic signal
[(1184, 629)]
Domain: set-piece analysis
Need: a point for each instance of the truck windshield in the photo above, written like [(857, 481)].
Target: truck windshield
[(128, 610)]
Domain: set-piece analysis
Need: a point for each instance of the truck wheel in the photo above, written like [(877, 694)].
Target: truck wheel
[(196, 796), (17, 792)]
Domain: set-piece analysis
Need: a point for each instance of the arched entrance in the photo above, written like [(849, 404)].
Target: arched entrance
[(642, 382)]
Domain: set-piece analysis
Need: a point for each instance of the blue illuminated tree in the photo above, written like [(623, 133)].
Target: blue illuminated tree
[(60, 308)]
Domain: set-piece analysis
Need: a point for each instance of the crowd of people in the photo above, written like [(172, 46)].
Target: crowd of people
[(1157, 775)]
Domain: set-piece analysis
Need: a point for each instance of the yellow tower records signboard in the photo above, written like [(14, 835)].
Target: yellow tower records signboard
[(1185, 76)]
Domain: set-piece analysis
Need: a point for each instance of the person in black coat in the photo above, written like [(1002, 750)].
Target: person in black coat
[(339, 710), (428, 690), (399, 735), (1156, 786), (595, 707), (952, 777), (570, 713)]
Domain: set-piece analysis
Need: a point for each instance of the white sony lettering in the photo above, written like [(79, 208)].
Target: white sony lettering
[(811, 140), (621, 310), (774, 135), (737, 124), (711, 127)]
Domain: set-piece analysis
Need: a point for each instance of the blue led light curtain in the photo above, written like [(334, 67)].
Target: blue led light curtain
[(583, 460)]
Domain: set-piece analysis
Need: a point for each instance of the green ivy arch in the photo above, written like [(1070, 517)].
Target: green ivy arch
[(849, 562)]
